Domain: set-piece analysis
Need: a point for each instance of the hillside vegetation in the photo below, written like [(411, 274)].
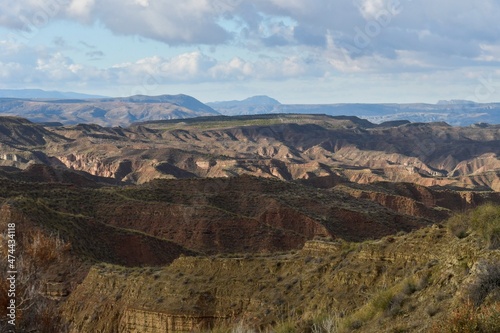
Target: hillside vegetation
[(259, 253), (424, 281), (290, 223)]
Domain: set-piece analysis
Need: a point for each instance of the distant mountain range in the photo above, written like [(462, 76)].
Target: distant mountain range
[(121, 111), (454, 112), (72, 108)]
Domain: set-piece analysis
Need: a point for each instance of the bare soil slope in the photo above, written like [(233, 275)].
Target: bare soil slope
[(287, 147)]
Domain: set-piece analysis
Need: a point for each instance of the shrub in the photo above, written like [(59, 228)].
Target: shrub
[(470, 319), (380, 303), (485, 220), (328, 324), (241, 327), (285, 327), (432, 309), (487, 280), (459, 225)]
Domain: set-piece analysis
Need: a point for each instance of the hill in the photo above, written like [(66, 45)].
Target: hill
[(106, 111), (271, 222), (458, 113), (270, 255), (417, 282), (287, 147)]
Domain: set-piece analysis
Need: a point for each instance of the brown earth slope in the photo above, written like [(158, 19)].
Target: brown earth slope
[(284, 147), (407, 283), (71, 193), (64, 225)]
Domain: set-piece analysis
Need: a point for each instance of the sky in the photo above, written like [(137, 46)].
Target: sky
[(297, 51)]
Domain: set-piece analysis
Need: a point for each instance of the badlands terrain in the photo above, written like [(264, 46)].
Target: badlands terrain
[(286, 147), (273, 223)]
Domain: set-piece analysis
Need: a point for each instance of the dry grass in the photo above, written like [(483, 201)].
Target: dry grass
[(484, 220), (468, 318)]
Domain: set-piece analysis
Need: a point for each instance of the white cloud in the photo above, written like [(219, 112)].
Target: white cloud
[(285, 39), (389, 24), (58, 67), (81, 9), (375, 9), (9, 70), (143, 3)]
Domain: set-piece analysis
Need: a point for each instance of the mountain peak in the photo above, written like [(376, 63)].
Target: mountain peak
[(260, 100)]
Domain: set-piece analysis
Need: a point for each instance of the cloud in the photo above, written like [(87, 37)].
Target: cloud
[(9, 70), (198, 67), (388, 24), (44, 64), (321, 76), (95, 55), (80, 9), (57, 67), (87, 45), (309, 38)]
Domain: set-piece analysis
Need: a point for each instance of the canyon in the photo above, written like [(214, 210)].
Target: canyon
[(268, 220), (286, 147)]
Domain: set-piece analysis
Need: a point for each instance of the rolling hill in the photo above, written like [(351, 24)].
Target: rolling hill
[(271, 223), (106, 111), (458, 113)]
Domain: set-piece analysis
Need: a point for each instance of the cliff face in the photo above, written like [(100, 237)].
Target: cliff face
[(432, 203), (288, 147), (342, 183), (81, 221), (324, 277), (304, 147)]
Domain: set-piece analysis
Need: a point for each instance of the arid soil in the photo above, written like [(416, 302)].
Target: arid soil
[(177, 226), (286, 147)]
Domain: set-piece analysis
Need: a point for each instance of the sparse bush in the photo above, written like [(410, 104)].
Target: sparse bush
[(241, 327), (432, 310), (380, 303), (485, 220), (285, 327), (329, 324), (423, 282), (44, 249), (470, 319), (487, 280), (383, 300), (459, 225), (396, 304), (409, 287)]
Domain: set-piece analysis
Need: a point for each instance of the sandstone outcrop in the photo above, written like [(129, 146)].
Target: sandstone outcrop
[(287, 147), (323, 277)]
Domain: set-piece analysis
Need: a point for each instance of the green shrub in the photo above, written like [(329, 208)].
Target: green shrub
[(288, 326), (459, 225), (485, 220)]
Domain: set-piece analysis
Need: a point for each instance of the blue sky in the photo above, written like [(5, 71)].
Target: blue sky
[(297, 51)]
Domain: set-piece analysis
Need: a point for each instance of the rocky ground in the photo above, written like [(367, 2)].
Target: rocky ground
[(282, 224), (286, 147)]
